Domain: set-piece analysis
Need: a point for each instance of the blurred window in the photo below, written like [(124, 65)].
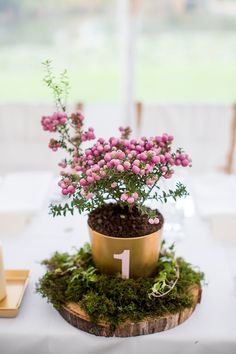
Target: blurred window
[(80, 35), (186, 51)]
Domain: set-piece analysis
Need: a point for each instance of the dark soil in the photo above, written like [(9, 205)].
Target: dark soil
[(116, 221)]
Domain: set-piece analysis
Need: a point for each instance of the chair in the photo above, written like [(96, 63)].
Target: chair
[(230, 160)]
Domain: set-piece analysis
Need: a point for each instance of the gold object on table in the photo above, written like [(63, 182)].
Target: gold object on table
[(3, 291), (144, 253), (16, 283)]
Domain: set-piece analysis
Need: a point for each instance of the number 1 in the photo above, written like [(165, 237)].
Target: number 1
[(125, 262)]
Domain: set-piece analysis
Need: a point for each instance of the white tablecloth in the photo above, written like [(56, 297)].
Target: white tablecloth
[(39, 329)]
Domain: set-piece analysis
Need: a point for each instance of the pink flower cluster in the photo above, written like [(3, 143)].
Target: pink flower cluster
[(66, 124), (125, 169), (89, 135), (129, 198), (54, 144), (77, 119), (67, 186), (149, 159), (63, 164), (125, 132), (50, 123), (130, 156)]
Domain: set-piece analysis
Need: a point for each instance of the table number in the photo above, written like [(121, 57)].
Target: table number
[(125, 262), (3, 291)]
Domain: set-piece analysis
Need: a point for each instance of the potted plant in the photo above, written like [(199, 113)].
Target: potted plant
[(113, 181)]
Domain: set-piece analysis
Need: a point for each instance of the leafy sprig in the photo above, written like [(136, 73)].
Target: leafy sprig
[(168, 273), (60, 87)]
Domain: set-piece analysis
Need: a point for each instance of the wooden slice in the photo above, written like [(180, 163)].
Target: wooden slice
[(73, 314)]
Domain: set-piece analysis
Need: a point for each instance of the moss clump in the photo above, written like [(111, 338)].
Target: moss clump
[(109, 297)]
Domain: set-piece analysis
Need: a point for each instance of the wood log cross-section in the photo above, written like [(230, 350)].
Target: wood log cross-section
[(73, 314)]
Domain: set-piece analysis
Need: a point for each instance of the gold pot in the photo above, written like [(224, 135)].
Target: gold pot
[(143, 253)]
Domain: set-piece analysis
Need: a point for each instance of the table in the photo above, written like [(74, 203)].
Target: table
[(39, 329)]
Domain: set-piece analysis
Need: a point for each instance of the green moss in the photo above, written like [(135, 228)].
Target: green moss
[(111, 298)]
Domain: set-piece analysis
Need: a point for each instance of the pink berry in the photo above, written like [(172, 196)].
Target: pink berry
[(167, 156), (124, 197), (143, 156), (133, 153), (164, 169), (65, 191), (115, 162), (89, 195), (130, 200), (178, 162), (185, 162), (90, 179), (139, 148), (120, 155), (71, 189), (142, 172), (162, 158), (83, 182), (91, 136), (114, 141), (151, 221), (107, 157), (101, 163), (88, 172), (135, 169), (156, 159), (126, 165), (167, 175), (135, 195), (83, 193), (95, 168), (100, 148), (164, 138), (136, 162), (120, 168)]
